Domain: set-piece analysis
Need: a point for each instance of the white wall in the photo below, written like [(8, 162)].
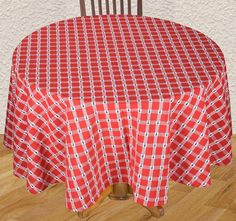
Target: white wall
[(216, 18)]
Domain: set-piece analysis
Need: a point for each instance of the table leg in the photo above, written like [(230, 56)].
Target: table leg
[(104, 195), (120, 192), (156, 211)]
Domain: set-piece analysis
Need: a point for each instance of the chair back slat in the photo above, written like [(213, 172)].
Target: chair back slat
[(82, 8), (129, 7), (93, 7), (140, 7), (122, 7), (100, 7), (108, 10), (114, 7), (107, 7)]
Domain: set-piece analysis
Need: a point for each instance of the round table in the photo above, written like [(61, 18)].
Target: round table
[(95, 101)]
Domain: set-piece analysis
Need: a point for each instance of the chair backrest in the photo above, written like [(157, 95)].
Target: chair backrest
[(108, 10)]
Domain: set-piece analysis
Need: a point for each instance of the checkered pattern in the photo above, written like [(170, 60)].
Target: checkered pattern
[(98, 100)]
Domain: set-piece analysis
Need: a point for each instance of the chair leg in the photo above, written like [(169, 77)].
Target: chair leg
[(156, 211), (120, 192)]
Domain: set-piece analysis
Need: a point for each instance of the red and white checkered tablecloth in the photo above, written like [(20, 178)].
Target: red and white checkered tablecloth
[(98, 100)]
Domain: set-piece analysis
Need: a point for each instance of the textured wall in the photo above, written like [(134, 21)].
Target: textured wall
[(215, 18)]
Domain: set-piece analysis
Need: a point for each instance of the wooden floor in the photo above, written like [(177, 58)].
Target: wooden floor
[(216, 203)]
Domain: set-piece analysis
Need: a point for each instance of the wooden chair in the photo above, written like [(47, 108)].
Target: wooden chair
[(108, 10)]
